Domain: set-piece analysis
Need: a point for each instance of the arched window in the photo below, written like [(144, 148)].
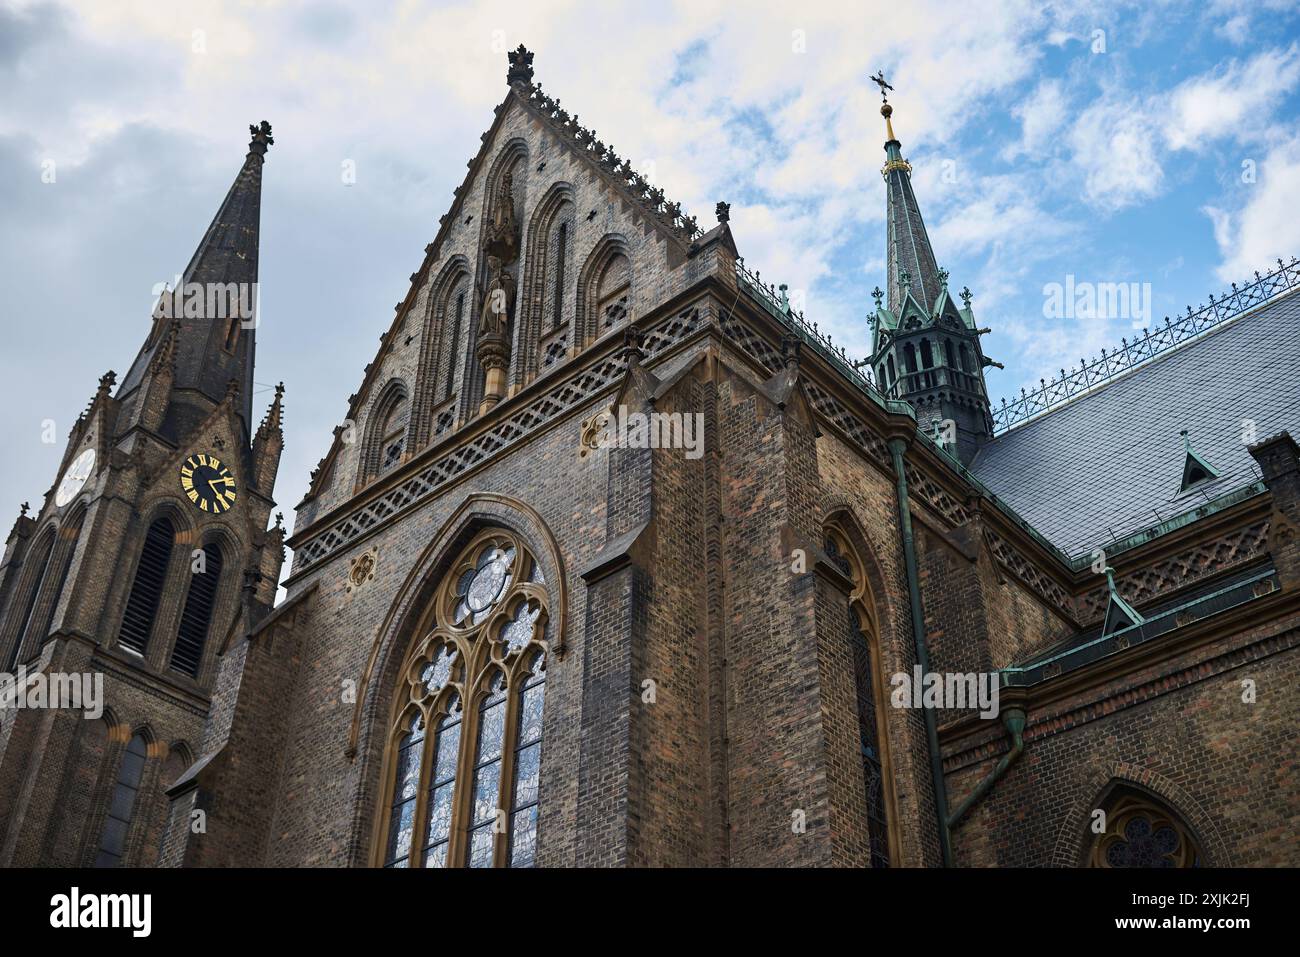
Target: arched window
[(528, 766), (909, 358), (966, 364), (469, 789), (927, 354), (1140, 831), (457, 322), (196, 618), (561, 262), (38, 561), (442, 784), (605, 293), (147, 588), (949, 354), (112, 843), (893, 374), (232, 335), (392, 442), (386, 431), (59, 567), (545, 334), (613, 293), (864, 639), (401, 818)]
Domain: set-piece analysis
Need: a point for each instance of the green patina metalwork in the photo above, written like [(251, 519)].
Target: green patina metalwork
[(1224, 599)]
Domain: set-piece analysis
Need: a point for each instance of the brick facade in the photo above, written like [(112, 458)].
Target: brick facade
[(701, 703)]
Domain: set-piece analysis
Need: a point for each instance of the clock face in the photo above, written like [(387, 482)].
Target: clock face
[(208, 483), (75, 477)]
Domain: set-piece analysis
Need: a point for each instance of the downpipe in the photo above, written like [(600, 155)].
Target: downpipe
[(896, 449), (1013, 719)]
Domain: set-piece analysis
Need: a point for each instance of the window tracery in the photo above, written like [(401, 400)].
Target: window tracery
[(1140, 832), (470, 786)]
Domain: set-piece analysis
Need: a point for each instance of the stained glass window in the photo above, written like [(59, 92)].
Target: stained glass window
[(436, 672), (528, 762), (479, 588), (487, 775), (402, 819), (442, 786), (1142, 833), (519, 630), (471, 787)]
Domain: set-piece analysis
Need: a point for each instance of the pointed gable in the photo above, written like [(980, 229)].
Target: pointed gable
[(624, 236)]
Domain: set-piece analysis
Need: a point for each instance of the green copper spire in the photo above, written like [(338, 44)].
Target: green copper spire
[(908, 249)]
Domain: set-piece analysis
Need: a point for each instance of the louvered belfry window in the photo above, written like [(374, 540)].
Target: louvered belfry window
[(196, 619), (146, 590)]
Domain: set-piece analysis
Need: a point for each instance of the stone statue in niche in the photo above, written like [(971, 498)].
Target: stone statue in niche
[(493, 348), (502, 240), (498, 302), (501, 246)]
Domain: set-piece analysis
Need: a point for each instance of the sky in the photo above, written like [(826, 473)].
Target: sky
[(1153, 143)]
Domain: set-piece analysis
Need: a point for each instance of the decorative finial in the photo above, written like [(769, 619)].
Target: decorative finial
[(521, 67), (633, 339), (723, 212), (23, 509), (279, 520), (107, 380), (943, 278), (905, 280), (791, 351), (877, 295), (966, 296), (261, 138)]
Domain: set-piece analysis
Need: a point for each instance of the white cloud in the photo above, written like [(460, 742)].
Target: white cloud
[(792, 139), (1041, 115), (1115, 147), (1234, 102), (1266, 227)]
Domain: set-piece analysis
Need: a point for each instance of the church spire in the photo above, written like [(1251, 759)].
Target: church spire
[(912, 266), (214, 305), (925, 348)]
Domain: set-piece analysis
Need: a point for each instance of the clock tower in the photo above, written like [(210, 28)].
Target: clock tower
[(149, 553)]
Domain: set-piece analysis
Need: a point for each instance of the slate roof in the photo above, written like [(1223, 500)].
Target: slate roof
[(907, 243), (227, 253), (1110, 463)]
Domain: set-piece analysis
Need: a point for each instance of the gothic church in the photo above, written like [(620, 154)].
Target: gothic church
[(510, 641)]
